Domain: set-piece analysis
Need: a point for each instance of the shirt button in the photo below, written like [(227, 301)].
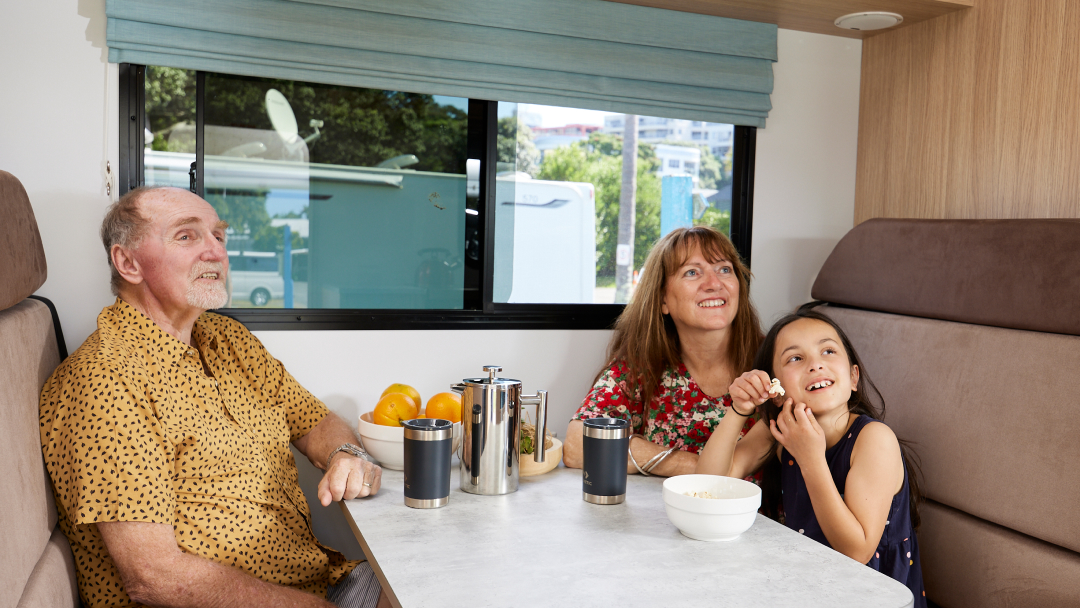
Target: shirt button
[(191, 353)]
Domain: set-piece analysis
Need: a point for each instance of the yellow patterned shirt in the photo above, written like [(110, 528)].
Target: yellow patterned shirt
[(138, 426)]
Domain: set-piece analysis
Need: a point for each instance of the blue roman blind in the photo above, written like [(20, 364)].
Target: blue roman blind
[(580, 53)]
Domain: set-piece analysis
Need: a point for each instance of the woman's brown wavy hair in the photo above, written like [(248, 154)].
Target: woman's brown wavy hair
[(646, 340)]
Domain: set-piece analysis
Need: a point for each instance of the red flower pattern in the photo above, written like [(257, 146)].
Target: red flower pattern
[(683, 416)]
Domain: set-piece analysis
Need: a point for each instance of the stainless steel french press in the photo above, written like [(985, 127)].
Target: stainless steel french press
[(491, 422)]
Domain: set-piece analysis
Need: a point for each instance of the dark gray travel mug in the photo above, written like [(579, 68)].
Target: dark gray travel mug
[(603, 470), (428, 443)]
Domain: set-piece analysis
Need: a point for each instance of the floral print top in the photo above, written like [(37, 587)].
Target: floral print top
[(682, 415)]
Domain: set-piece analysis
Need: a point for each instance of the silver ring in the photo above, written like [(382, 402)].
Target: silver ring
[(367, 484)]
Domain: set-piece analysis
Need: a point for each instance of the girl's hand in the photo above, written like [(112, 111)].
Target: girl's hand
[(797, 430), (750, 390)]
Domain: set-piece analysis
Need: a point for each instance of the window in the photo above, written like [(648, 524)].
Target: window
[(695, 135), (350, 207)]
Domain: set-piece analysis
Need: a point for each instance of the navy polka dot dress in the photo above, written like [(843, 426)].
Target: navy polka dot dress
[(897, 554)]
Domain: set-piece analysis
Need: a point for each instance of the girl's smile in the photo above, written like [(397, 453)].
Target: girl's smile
[(813, 367)]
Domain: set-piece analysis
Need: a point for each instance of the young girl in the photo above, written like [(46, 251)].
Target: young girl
[(843, 474)]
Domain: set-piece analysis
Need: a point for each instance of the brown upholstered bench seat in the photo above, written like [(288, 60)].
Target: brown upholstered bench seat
[(992, 407)]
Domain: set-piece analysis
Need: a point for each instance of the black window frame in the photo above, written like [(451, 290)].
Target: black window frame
[(479, 312)]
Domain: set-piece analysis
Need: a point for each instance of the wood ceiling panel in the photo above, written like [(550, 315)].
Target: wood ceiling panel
[(811, 15)]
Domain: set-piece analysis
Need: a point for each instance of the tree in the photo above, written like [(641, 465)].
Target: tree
[(515, 145), (598, 161), (624, 270)]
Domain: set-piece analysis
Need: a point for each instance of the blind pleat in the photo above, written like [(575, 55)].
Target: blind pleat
[(348, 42)]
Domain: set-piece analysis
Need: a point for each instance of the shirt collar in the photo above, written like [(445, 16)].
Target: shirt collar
[(134, 325)]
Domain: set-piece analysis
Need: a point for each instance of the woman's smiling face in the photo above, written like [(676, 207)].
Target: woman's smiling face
[(701, 295), (812, 365)]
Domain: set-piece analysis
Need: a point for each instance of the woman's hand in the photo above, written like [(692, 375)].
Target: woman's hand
[(750, 390), (797, 430)]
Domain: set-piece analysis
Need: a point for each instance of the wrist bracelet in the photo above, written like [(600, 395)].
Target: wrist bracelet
[(355, 450), (738, 413), (630, 451), (649, 466)]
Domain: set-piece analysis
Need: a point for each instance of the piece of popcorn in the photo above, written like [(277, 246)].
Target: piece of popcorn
[(776, 388)]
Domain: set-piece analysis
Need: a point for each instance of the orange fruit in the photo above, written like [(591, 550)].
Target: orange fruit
[(444, 405), (393, 408), (398, 387)]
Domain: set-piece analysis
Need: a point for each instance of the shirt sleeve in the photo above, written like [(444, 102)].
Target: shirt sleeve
[(608, 398), (106, 452)]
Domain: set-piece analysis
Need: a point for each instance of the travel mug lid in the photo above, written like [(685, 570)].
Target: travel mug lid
[(607, 428), (428, 429)]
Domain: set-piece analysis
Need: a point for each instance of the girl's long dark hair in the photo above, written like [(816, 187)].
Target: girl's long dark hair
[(866, 400)]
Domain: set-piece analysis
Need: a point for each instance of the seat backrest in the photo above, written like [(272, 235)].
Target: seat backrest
[(36, 567), (969, 329)]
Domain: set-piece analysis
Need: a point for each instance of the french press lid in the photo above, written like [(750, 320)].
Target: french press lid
[(491, 379)]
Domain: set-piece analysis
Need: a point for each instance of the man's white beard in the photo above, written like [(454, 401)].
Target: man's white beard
[(207, 297)]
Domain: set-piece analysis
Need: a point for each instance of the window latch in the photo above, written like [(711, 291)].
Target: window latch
[(191, 174)]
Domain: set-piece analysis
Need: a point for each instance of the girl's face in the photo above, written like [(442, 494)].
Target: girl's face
[(813, 366), (701, 295)]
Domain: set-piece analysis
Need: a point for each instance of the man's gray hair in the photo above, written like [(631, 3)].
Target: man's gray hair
[(124, 225)]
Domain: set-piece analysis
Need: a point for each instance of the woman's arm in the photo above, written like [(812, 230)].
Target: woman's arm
[(680, 462), (852, 523), (724, 454)]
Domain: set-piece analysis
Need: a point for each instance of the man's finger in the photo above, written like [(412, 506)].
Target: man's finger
[(325, 497), (376, 480)]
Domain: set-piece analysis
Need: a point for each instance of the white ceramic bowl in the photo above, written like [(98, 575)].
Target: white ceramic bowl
[(723, 518), (387, 443)]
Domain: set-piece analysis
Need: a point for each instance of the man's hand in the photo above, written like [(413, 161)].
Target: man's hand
[(349, 477), (346, 476)]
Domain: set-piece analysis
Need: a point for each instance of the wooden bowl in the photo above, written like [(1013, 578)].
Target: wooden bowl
[(527, 467)]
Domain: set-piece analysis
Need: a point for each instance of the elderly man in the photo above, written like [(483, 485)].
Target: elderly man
[(167, 434)]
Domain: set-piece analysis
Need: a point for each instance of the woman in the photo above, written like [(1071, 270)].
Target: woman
[(688, 333)]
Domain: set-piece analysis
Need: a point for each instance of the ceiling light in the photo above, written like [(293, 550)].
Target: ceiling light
[(873, 20)]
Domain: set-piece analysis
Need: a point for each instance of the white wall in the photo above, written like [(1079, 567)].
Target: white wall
[(804, 187), (58, 128)]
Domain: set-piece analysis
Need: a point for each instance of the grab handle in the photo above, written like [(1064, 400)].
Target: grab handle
[(540, 399), (477, 443)]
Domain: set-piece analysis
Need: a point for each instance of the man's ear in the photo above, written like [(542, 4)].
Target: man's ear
[(124, 261)]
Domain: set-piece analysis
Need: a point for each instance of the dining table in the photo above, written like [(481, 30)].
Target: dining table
[(543, 545)]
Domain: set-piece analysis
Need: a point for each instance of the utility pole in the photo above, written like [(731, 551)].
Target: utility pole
[(624, 249)]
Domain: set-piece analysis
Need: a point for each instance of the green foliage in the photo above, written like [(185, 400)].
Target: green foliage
[(170, 100), (598, 161), (361, 127), (515, 145)]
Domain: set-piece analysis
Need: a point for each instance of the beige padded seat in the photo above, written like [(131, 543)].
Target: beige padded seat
[(36, 568)]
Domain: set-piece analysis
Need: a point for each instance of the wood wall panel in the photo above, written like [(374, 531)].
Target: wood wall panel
[(975, 114)]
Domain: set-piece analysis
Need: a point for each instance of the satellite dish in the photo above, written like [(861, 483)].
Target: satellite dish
[(281, 115)]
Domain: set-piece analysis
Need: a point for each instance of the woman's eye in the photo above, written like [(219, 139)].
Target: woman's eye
[(830, 351), (726, 269), (794, 358), (691, 273)]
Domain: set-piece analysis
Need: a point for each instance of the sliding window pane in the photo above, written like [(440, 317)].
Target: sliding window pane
[(559, 194), (169, 132), (338, 197)]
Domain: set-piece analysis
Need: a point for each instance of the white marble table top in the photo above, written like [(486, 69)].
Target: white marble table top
[(545, 546)]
